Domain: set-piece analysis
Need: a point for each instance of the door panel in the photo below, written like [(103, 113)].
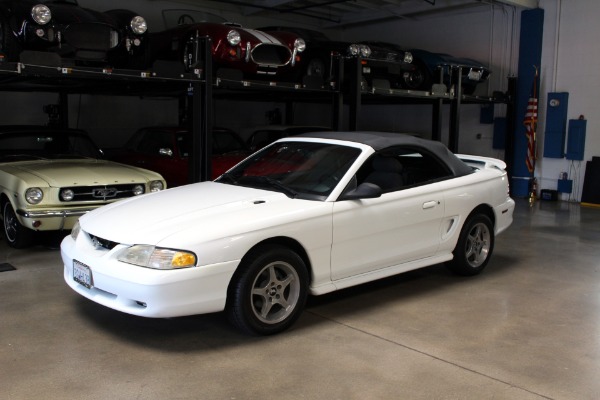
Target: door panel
[(395, 228)]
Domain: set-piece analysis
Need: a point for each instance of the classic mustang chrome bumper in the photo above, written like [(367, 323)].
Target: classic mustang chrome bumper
[(55, 213), (53, 219)]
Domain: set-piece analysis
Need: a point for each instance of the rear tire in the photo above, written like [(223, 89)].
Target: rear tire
[(474, 247), (16, 235), (268, 293)]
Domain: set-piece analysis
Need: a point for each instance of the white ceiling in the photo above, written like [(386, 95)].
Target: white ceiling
[(339, 13)]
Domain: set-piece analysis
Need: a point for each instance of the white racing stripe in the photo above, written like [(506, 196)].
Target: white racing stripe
[(263, 37)]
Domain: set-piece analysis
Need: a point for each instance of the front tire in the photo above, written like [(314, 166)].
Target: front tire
[(268, 293), (16, 235), (474, 247)]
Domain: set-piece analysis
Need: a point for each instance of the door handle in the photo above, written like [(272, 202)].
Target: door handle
[(430, 204)]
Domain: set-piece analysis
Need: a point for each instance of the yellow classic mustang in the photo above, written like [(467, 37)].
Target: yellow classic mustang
[(50, 177)]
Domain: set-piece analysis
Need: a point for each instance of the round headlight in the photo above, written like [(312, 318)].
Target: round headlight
[(156, 186), (299, 45), (234, 38), (353, 50), (365, 51), (67, 195), (408, 57), (41, 14), (137, 190), (139, 25), (34, 195)]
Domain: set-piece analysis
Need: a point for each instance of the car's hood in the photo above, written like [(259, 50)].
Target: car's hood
[(198, 212), (81, 172)]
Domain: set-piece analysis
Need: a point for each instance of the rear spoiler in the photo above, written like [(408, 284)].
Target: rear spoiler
[(482, 162)]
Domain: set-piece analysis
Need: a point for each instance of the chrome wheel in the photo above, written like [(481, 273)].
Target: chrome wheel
[(17, 235), (268, 291), (275, 292), (474, 246), (478, 245), (11, 224)]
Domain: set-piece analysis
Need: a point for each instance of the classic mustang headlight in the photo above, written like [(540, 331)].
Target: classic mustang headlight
[(75, 231), (156, 186), (408, 57), (41, 14), (138, 25), (67, 195), (34, 195), (299, 45), (234, 38), (137, 190), (156, 257)]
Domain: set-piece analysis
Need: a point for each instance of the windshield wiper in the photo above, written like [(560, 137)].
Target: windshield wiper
[(289, 192), (229, 177)]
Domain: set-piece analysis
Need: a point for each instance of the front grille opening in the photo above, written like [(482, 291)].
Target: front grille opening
[(100, 193), (103, 243), (270, 54)]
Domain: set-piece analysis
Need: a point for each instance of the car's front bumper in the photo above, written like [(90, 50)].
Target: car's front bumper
[(51, 220), (144, 291)]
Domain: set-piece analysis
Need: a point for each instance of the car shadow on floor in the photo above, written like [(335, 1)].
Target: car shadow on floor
[(206, 332)]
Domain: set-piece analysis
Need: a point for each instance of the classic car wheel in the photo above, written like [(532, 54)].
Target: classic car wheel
[(474, 247), (16, 235), (269, 293), (418, 79)]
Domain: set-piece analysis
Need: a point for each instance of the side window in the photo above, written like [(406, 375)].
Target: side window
[(400, 168)]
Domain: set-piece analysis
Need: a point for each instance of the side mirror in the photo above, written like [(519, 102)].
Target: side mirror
[(363, 191), (165, 152)]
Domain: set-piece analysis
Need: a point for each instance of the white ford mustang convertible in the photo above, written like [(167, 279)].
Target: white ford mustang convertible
[(308, 214)]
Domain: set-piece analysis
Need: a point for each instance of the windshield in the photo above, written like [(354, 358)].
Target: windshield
[(46, 145), (304, 170)]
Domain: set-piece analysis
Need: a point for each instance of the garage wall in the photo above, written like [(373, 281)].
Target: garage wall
[(570, 64)]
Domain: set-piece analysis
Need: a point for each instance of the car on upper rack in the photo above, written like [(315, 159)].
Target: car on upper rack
[(49, 177), (426, 70), (316, 66), (167, 149), (33, 30), (237, 52), (308, 214)]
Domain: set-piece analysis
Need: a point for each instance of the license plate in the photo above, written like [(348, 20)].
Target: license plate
[(82, 274), (475, 75)]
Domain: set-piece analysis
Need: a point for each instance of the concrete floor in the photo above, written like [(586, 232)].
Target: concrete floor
[(527, 328)]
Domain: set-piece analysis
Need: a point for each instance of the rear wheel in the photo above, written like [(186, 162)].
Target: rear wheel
[(16, 235), (474, 247), (269, 292)]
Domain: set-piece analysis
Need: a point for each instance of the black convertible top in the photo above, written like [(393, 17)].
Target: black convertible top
[(382, 140)]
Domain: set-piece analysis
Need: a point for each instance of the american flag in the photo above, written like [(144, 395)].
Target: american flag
[(530, 122)]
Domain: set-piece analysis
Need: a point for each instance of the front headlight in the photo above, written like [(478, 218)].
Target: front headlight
[(75, 231), (67, 195), (41, 14), (138, 25), (353, 50), (299, 45), (34, 195), (365, 51), (408, 57), (138, 190), (234, 38), (156, 186), (156, 257)]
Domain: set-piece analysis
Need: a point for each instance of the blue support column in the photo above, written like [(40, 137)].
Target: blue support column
[(530, 57)]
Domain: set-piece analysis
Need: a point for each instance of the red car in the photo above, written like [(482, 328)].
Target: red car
[(166, 150), (236, 52)]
